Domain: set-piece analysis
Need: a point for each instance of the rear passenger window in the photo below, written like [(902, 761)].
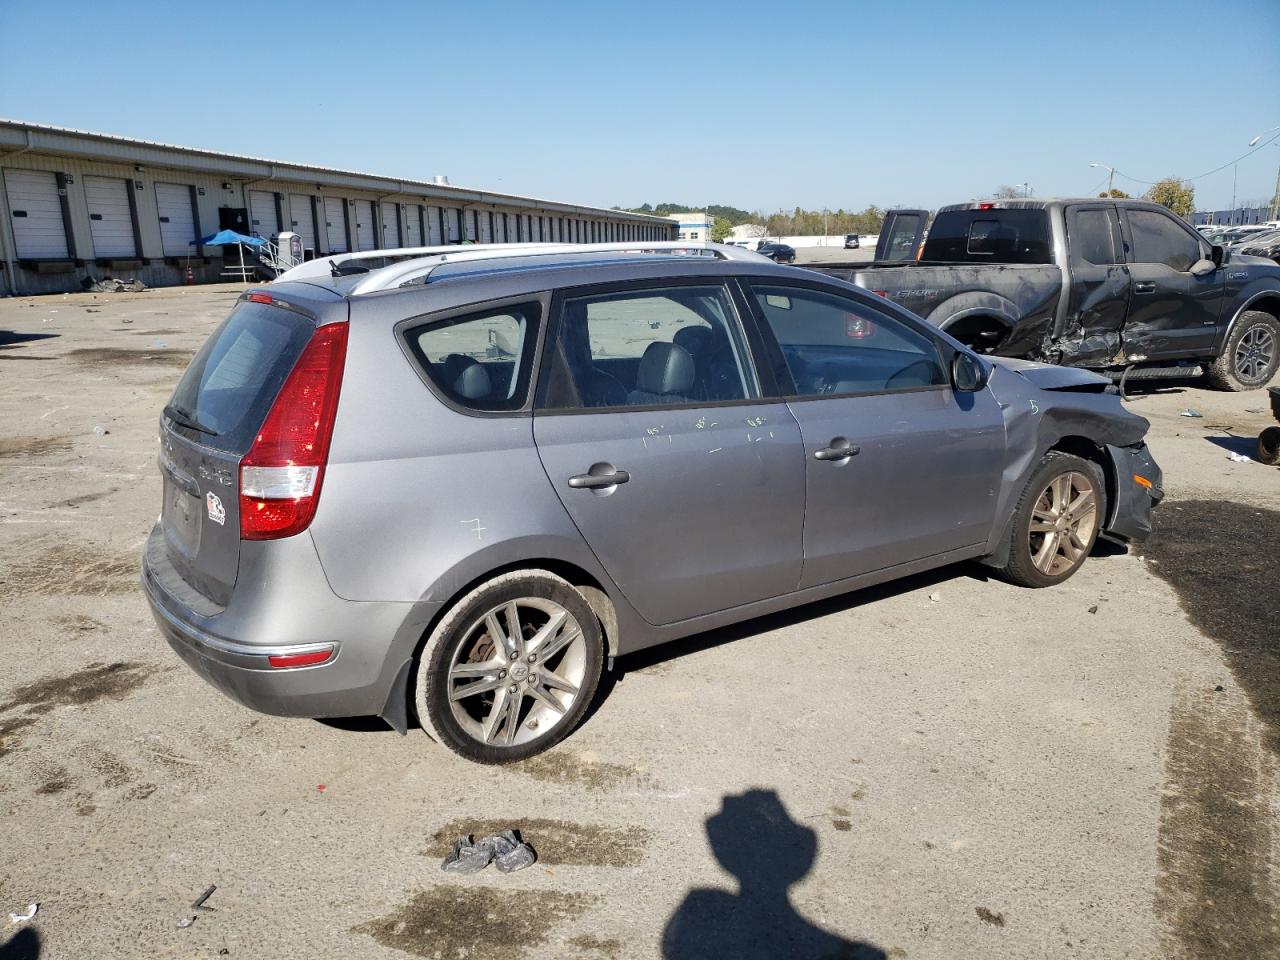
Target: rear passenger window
[(1092, 239), (835, 345), (678, 345), (481, 360)]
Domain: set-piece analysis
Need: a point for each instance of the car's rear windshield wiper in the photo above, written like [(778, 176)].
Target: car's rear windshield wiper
[(186, 420)]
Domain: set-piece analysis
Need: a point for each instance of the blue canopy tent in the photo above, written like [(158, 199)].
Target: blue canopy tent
[(224, 238)]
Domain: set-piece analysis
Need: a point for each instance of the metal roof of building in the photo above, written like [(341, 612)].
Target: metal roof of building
[(87, 144)]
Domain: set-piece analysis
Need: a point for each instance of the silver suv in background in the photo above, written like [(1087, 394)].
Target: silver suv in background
[(452, 490)]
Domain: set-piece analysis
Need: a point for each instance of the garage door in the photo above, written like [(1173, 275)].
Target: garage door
[(262, 214), (365, 237), (335, 224), (177, 221), (413, 225), (390, 223), (110, 219), (304, 224), (36, 215), (433, 227)]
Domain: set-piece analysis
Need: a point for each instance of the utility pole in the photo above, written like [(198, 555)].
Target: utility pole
[(1273, 208), (1111, 176)]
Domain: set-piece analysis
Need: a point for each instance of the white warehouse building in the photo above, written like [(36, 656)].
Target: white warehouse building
[(76, 205)]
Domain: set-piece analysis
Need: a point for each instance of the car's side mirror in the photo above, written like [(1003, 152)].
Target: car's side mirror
[(968, 373), (1217, 254), (1202, 268)]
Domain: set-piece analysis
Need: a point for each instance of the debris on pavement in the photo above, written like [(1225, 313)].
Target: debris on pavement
[(32, 909), (112, 285), (198, 902), (100, 431), (510, 853), (935, 597), (504, 850), (1239, 458), (466, 857), (1191, 413), (1094, 608)]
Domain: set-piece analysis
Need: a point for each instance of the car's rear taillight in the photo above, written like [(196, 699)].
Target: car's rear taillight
[(281, 474)]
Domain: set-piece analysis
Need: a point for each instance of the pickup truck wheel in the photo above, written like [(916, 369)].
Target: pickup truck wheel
[(1251, 355), (1056, 521)]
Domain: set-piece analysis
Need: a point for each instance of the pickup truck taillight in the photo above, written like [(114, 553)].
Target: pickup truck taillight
[(280, 476)]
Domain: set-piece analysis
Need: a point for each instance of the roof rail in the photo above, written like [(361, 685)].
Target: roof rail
[(331, 264), (419, 269)]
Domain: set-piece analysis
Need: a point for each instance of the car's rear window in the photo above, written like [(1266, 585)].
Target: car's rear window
[(989, 236), (233, 380)]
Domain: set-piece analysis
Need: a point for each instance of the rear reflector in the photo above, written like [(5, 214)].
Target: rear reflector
[(1142, 481), (286, 661), (281, 475)]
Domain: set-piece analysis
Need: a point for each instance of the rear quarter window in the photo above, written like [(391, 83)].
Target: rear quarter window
[(231, 383), (481, 361), (989, 236)]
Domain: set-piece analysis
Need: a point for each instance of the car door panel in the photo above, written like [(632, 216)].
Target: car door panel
[(923, 482), (1098, 298), (1172, 312), (707, 510), (711, 514), (896, 470)]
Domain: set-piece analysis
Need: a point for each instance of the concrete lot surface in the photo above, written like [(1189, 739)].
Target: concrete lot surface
[(944, 767)]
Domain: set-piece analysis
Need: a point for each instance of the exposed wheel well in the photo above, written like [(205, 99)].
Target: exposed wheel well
[(1086, 449), (982, 332)]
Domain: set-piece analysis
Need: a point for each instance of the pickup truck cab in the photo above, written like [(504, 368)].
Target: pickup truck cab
[(1099, 283)]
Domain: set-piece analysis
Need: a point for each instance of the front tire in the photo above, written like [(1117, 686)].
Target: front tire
[(1251, 355), (509, 671), (1056, 521)]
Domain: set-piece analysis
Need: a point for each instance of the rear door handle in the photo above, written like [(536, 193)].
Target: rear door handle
[(591, 481), (1144, 286), (840, 449)]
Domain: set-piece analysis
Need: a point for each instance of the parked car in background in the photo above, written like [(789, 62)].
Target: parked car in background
[(778, 252), (1260, 245), (1117, 285), (852, 241), (454, 490)]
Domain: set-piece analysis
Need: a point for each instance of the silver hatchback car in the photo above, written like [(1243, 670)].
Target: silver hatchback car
[(453, 490)]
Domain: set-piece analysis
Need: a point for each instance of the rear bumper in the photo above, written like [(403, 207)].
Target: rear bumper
[(299, 613), (1134, 500)]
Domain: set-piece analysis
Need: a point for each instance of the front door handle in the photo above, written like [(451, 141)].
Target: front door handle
[(592, 481), (1144, 286), (839, 449)]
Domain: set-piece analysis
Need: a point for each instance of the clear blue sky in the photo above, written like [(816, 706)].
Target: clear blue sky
[(759, 105)]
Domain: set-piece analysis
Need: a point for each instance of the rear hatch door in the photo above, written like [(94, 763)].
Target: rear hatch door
[(208, 425)]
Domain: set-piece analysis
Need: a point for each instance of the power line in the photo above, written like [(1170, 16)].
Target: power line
[(1201, 176)]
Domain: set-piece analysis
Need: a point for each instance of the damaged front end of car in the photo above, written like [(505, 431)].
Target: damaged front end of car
[(1048, 407)]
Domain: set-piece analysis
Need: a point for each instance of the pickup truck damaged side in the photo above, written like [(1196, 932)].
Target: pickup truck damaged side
[(1105, 284)]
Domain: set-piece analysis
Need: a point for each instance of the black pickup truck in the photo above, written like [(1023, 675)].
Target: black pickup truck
[(1115, 285)]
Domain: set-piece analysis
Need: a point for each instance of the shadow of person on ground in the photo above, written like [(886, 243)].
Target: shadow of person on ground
[(23, 945), (755, 839)]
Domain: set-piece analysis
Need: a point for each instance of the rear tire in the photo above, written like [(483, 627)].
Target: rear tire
[(1056, 521), (1251, 355), (510, 670)]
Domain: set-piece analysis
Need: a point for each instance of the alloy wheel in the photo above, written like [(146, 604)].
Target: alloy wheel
[(517, 672), (1063, 523), (1255, 354)]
